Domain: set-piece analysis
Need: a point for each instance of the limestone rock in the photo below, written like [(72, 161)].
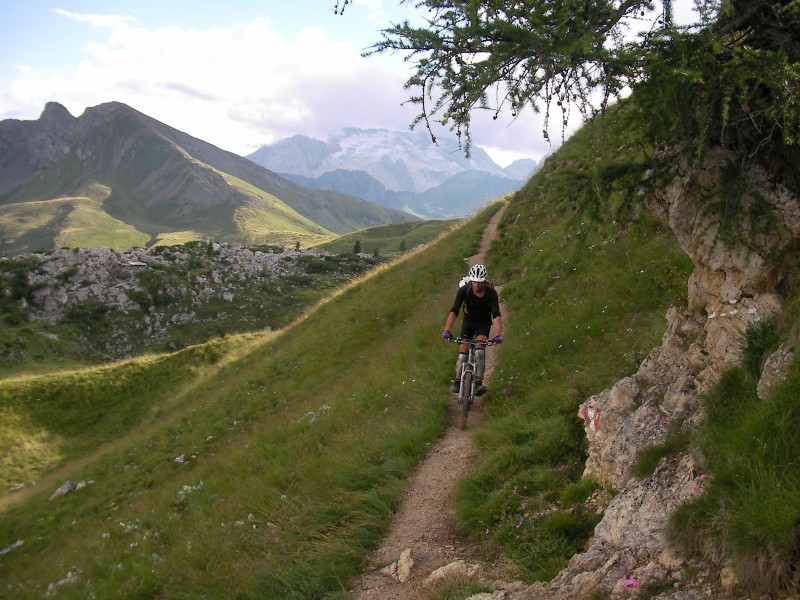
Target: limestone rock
[(775, 369), (401, 568), (458, 568), (64, 279)]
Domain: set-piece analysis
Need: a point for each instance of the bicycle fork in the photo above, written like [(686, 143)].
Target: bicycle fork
[(468, 367)]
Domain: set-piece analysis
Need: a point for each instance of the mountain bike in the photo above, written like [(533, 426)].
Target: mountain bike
[(467, 384)]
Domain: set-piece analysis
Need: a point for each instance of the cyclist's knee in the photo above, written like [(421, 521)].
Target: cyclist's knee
[(462, 358)]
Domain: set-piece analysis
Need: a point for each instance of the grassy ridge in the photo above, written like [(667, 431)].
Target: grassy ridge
[(285, 487), (587, 280), (74, 221), (389, 239), (80, 222), (272, 221), (58, 419)]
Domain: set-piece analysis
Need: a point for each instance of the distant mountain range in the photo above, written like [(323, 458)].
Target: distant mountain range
[(118, 178), (400, 170)]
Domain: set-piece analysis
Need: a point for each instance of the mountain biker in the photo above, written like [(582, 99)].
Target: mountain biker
[(481, 310)]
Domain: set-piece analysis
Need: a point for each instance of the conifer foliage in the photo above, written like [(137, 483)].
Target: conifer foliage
[(553, 55), (735, 71)]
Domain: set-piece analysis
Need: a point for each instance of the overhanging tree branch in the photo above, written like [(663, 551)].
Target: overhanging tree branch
[(530, 52), (740, 57)]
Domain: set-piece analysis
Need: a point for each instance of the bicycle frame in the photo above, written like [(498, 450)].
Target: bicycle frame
[(466, 387)]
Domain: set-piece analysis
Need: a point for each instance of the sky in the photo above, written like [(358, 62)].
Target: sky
[(238, 74)]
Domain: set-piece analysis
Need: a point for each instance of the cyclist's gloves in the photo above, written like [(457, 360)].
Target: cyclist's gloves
[(447, 335), (498, 339)]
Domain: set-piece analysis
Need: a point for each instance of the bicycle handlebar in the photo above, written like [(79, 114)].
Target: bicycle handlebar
[(472, 342)]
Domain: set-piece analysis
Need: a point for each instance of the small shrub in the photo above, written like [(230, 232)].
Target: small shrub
[(761, 339), (141, 297), (749, 507), (580, 491), (647, 461), (89, 311)]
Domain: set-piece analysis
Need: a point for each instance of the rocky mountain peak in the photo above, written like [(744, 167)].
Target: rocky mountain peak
[(28, 147), (56, 115)]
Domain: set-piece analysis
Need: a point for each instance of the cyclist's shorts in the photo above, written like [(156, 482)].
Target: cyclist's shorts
[(471, 329)]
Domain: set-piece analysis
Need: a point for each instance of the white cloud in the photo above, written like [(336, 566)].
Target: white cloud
[(242, 86), (236, 87), (370, 4), (106, 21)]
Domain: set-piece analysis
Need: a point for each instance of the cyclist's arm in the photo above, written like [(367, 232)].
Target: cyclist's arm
[(497, 320), (451, 318), (461, 295), (498, 325)]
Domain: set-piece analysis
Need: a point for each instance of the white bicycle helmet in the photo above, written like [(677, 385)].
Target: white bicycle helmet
[(477, 273)]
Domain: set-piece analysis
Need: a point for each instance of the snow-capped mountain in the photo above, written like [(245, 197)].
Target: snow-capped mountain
[(402, 161)]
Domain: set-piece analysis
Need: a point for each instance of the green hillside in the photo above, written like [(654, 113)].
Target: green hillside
[(130, 175), (122, 213), (269, 466), (77, 222), (86, 222), (387, 240)]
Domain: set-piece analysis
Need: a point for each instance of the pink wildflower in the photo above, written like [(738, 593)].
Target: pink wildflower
[(629, 580)]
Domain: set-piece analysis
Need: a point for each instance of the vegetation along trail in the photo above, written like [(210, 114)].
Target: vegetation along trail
[(422, 537)]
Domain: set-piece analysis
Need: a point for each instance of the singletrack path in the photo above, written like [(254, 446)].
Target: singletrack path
[(425, 523)]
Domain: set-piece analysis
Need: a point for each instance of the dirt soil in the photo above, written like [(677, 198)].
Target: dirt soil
[(425, 522)]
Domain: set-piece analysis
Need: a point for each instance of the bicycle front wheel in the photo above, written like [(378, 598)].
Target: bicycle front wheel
[(466, 393)]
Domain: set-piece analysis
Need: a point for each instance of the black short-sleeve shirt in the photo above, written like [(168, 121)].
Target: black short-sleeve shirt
[(479, 309)]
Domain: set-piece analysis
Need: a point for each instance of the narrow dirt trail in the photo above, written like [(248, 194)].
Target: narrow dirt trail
[(425, 523)]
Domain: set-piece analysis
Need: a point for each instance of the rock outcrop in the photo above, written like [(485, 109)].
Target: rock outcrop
[(68, 277), (141, 296), (726, 295)]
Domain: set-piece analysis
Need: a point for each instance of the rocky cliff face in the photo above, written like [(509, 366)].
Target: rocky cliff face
[(727, 293)]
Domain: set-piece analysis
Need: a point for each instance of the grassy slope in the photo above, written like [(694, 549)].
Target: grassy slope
[(587, 280), (271, 221), (84, 222), (73, 222), (55, 418), (89, 226), (312, 472), (387, 239)]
